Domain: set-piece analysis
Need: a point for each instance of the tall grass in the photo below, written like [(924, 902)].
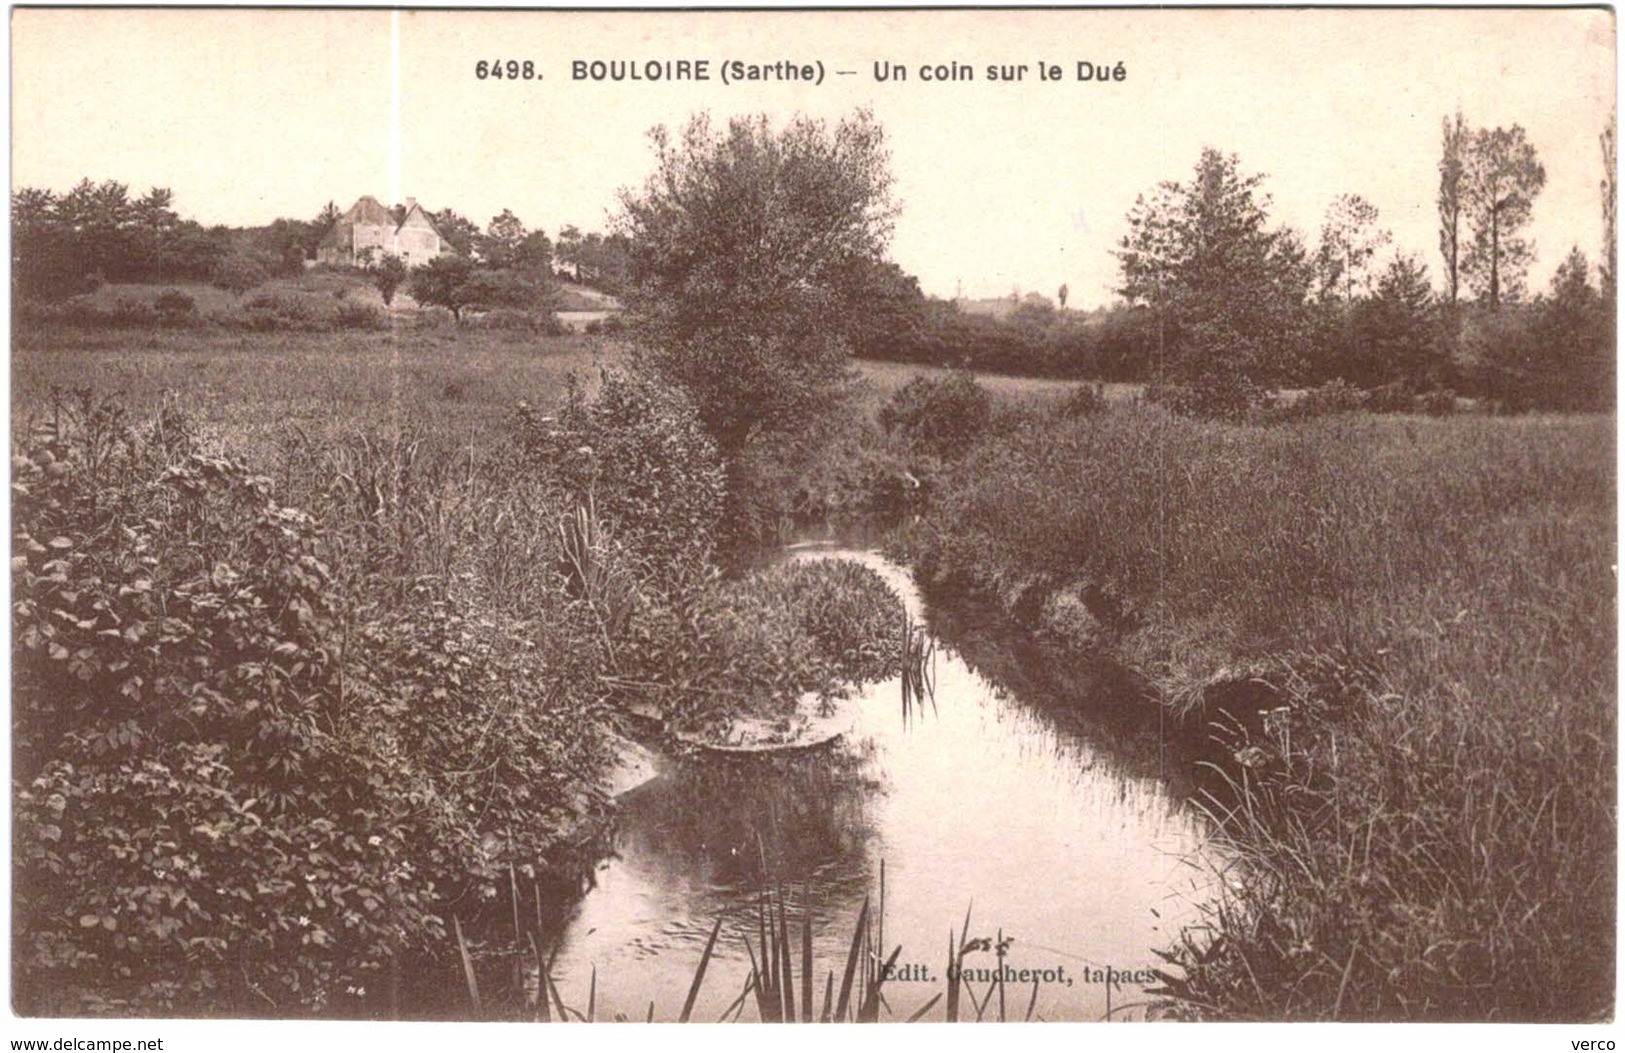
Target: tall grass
[(1426, 607), (458, 385), (786, 984)]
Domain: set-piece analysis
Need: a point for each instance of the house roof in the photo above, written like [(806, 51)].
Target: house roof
[(367, 210), (369, 213), (419, 210)]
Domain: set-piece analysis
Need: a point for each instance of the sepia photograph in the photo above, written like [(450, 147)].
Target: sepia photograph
[(1001, 515)]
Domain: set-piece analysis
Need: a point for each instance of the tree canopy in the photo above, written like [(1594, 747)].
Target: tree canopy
[(746, 243), (1501, 178), (1226, 287)]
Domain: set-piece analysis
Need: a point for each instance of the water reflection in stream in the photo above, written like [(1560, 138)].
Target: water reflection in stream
[(1070, 846)]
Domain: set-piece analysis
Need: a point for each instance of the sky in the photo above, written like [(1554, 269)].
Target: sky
[(248, 115)]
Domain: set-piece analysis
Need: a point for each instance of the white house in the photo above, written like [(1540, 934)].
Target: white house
[(369, 225)]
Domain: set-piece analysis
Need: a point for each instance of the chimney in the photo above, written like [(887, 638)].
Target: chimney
[(411, 203)]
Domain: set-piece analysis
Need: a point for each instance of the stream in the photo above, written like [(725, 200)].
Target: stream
[(1055, 834)]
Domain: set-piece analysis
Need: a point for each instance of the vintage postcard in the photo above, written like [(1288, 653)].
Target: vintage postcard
[(814, 516)]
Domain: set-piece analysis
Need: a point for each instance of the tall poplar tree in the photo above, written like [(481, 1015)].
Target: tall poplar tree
[(1501, 178), (1451, 166)]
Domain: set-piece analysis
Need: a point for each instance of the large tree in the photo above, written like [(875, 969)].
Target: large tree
[(1396, 330), (444, 281), (457, 230), (1574, 334), (508, 245), (1500, 178), (1349, 241), (744, 242), (1227, 289), (1451, 168)]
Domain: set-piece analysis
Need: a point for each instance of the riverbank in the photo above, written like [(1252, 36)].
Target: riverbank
[(290, 728), (1404, 626)]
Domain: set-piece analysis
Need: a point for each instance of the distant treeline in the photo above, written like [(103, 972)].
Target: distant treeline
[(1116, 343), (62, 244), (70, 243), (1553, 351), (1219, 305)]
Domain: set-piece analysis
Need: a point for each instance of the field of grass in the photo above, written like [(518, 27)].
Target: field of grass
[(248, 388), (315, 284), (1426, 826)]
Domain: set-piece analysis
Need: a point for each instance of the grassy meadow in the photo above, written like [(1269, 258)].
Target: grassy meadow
[(1404, 623), (246, 388), (1402, 627)]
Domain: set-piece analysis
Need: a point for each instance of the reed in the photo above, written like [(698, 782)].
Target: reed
[(918, 682), (1427, 608)]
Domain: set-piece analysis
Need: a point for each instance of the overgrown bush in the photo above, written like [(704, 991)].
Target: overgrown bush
[(944, 416), (187, 822), (758, 643), (352, 315), (269, 312), (850, 614), (238, 787), (237, 274), (638, 452), (519, 320), (1218, 395), (175, 308)]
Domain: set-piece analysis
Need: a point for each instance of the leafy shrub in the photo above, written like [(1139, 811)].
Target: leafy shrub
[(1218, 395), (944, 416), (225, 799), (238, 274), (845, 608), (175, 308), (758, 643), (183, 802), (275, 312), (517, 320), (638, 452), (352, 315)]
